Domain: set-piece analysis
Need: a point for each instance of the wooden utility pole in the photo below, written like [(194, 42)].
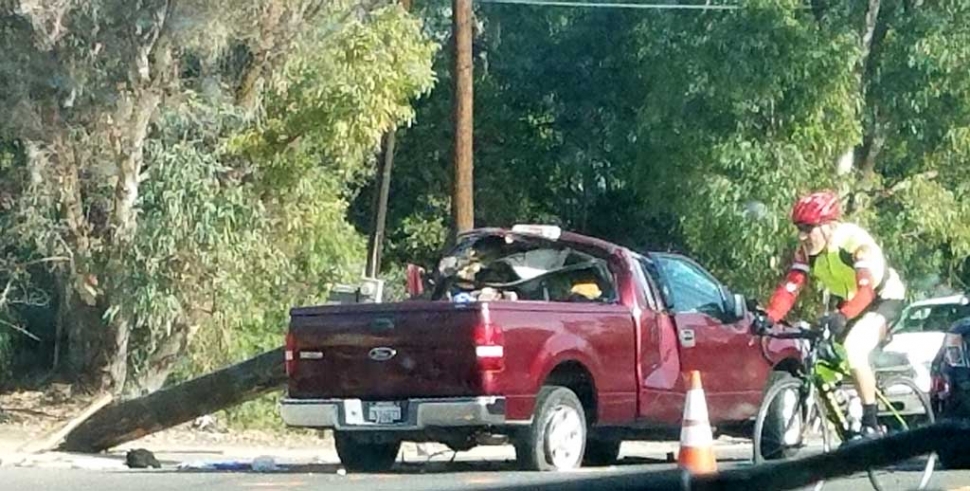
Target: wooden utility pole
[(376, 242), (462, 200)]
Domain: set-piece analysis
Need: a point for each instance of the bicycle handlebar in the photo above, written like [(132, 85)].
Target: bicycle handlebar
[(761, 320)]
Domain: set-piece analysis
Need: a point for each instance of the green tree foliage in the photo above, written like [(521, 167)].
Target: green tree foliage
[(695, 131), (184, 168), (879, 80), (175, 174), (755, 110)]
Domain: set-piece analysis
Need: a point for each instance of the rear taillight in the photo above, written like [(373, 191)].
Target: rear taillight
[(289, 353), (489, 344), (954, 353)]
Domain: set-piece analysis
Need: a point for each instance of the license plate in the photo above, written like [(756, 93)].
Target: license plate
[(384, 412)]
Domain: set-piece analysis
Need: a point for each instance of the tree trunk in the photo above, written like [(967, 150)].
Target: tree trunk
[(97, 350), (247, 95), (163, 359), (868, 32), (80, 303), (873, 32), (82, 326), (130, 420), (148, 73), (99, 346), (112, 360), (133, 128)]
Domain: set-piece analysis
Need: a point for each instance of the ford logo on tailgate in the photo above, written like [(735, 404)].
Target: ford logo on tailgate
[(382, 353)]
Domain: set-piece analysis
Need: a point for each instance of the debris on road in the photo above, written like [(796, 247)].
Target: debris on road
[(141, 458), (264, 463)]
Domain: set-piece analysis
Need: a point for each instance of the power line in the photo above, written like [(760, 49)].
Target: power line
[(649, 6), (617, 5)]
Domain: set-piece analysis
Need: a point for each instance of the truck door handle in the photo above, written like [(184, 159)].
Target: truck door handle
[(687, 339)]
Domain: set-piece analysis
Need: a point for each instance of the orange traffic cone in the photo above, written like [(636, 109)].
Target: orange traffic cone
[(696, 438)]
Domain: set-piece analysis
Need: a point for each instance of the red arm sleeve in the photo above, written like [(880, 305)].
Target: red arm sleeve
[(785, 295), (864, 294)]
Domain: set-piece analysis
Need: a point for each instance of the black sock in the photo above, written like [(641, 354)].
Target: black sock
[(869, 416)]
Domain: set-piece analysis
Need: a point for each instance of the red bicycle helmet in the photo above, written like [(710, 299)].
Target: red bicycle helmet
[(816, 208)]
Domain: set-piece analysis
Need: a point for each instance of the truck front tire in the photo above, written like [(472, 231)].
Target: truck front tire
[(362, 455), (556, 439)]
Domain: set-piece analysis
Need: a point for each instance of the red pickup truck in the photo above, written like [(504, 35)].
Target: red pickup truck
[(561, 344)]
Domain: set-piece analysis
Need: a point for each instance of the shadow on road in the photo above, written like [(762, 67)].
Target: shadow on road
[(400, 467)]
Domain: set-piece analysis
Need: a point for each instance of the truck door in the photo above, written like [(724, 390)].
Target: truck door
[(722, 349), (661, 390)]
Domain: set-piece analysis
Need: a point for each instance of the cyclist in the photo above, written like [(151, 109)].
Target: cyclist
[(846, 260)]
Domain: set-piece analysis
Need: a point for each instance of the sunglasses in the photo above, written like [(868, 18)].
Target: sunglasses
[(805, 227)]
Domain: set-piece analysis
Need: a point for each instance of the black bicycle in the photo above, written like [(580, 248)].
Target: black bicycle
[(816, 398)]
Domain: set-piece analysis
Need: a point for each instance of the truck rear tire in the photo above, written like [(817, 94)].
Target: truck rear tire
[(360, 455), (556, 439)]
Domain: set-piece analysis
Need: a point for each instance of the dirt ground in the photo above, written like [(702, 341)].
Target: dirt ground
[(27, 416)]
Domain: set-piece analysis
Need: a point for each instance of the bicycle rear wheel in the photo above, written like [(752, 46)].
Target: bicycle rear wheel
[(911, 409)]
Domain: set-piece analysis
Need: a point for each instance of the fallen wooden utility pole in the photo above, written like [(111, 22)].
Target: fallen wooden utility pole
[(55, 438), (130, 420)]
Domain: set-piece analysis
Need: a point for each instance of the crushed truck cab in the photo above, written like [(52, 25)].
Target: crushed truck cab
[(561, 344)]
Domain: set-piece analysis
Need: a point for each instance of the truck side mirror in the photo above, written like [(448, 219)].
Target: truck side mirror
[(740, 306), (735, 305), (415, 280)]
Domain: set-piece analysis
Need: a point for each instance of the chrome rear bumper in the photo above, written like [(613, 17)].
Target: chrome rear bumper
[(415, 414)]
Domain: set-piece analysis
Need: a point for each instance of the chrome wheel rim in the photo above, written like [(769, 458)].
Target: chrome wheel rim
[(565, 436)]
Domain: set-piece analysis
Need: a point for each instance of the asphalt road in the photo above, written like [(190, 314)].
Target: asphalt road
[(464, 476)]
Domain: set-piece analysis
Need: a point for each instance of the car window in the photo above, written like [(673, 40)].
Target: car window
[(690, 288), (932, 318)]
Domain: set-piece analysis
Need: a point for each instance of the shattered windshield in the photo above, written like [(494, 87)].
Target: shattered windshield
[(514, 267)]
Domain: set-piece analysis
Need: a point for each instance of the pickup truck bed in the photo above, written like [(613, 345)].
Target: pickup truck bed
[(428, 352)]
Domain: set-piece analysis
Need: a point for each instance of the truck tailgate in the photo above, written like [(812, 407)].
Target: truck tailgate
[(384, 351)]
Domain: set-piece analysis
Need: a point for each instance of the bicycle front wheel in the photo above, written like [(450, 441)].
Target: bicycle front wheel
[(778, 426), (788, 415), (902, 406)]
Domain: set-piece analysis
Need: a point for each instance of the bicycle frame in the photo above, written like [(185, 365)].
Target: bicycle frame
[(827, 376), (819, 381)]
